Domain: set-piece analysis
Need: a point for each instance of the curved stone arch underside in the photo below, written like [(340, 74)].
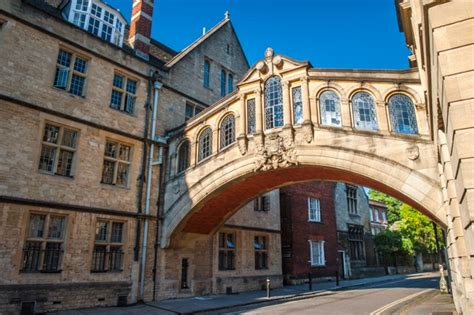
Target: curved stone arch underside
[(215, 197)]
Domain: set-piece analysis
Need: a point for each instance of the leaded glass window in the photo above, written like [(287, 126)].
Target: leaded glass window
[(205, 144), (297, 105), (227, 131), (363, 107), (330, 108), (183, 156), (402, 114), (251, 128), (116, 164), (273, 103), (70, 72)]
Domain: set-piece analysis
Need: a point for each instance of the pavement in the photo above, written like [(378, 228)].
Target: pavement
[(215, 303)]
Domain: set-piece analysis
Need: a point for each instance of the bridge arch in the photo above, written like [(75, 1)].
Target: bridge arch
[(210, 190)]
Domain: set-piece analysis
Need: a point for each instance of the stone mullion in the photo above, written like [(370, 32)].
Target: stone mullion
[(286, 104), (258, 111), (305, 99)]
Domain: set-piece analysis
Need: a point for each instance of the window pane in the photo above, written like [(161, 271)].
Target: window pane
[(189, 111), (118, 81), (330, 109), (61, 77), (129, 103), (115, 258), (101, 231), (183, 156), (65, 163), (111, 149), (227, 131), (56, 227), (82, 5), (52, 257), (93, 26), (37, 226), (31, 256), (124, 152), (108, 172), (96, 10), (131, 86), (69, 138), (273, 103), (47, 158), (205, 144), (106, 32), (230, 83), (251, 128), (80, 65), (297, 106), (402, 114), (207, 70), (363, 107), (98, 258), (64, 58), (116, 100), (51, 133), (117, 231), (77, 85), (122, 174), (108, 17), (223, 82)]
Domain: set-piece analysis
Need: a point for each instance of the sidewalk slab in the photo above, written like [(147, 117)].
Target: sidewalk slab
[(437, 304)]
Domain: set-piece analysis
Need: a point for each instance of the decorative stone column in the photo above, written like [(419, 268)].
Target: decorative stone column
[(307, 123), (242, 138), (286, 104)]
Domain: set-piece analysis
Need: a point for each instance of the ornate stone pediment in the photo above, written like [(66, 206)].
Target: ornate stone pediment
[(277, 152)]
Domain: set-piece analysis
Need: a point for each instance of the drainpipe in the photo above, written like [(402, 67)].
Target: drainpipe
[(156, 86)]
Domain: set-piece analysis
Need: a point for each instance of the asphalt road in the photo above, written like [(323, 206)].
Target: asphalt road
[(362, 300)]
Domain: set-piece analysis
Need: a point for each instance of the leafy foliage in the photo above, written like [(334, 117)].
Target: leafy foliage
[(393, 205)]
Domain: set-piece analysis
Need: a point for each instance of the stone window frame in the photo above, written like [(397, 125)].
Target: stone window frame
[(227, 131), (55, 255), (351, 197), (412, 114), (183, 165), (227, 251), (261, 252), (317, 253), (59, 148), (114, 250), (314, 211), (125, 93), (117, 160), (72, 71)]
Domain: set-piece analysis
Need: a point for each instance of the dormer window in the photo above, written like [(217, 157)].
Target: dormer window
[(97, 18)]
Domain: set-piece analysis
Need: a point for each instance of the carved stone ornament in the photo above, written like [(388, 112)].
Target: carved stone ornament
[(242, 143), (277, 152), (307, 132), (413, 152)]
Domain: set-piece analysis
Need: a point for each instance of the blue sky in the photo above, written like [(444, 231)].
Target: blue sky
[(360, 34)]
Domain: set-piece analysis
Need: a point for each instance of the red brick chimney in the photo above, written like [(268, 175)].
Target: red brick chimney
[(140, 27)]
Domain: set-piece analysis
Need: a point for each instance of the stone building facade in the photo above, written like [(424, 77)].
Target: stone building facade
[(77, 91), (440, 36)]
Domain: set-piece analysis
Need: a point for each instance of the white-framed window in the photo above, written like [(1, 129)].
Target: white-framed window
[(371, 213), (317, 253), (384, 216), (98, 19), (376, 215), (314, 210)]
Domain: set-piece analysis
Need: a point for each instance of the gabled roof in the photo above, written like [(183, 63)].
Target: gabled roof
[(200, 40)]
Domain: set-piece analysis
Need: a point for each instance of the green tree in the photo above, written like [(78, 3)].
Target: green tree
[(393, 205)]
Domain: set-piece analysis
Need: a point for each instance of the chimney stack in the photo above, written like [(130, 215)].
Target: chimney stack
[(140, 27)]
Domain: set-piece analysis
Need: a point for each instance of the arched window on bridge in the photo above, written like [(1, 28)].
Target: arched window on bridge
[(402, 114), (330, 108), (227, 131), (183, 156), (205, 144), (363, 108), (273, 103)]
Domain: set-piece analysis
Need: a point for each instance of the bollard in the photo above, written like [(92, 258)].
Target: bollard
[(310, 282), (337, 277), (268, 288)]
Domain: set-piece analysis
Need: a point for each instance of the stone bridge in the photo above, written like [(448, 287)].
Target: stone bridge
[(288, 122)]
